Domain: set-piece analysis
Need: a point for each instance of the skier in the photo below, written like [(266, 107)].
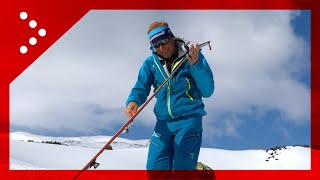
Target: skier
[(179, 108)]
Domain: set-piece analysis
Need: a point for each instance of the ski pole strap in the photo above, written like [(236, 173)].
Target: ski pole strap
[(93, 164)]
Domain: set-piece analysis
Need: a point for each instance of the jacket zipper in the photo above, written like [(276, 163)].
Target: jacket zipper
[(168, 101), (168, 90)]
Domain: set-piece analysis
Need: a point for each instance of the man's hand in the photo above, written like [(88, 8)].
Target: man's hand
[(131, 109), (193, 54)]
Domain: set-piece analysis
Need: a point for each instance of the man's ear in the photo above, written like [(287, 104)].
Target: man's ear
[(152, 49)]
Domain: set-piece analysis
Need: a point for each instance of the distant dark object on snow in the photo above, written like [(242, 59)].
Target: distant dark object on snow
[(306, 146), (109, 147), (53, 142), (276, 151)]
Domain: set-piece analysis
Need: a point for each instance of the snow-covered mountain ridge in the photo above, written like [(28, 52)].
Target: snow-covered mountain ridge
[(85, 141), (132, 154)]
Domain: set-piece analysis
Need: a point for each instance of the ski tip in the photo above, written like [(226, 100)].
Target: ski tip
[(201, 166)]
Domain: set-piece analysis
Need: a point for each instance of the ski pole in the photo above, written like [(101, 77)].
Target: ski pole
[(93, 162)]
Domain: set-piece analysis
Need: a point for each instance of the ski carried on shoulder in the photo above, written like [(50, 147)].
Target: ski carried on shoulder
[(92, 162)]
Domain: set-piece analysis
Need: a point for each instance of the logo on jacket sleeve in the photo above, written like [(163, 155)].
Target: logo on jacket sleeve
[(156, 134)]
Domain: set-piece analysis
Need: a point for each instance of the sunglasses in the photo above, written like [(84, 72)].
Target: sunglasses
[(161, 42)]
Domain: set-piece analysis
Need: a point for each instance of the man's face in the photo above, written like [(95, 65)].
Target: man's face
[(166, 50)]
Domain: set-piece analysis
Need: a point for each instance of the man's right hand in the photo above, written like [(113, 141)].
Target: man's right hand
[(131, 109)]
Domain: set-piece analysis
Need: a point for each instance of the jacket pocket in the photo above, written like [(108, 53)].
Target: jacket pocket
[(187, 91), (193, 135)]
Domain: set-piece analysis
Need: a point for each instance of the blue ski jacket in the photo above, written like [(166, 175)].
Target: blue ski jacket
[(182, 95)]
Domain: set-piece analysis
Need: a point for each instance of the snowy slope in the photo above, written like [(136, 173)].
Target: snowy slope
[(130, 154)]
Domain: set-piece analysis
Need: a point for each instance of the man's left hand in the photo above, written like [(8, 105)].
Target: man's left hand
[(193, 54)]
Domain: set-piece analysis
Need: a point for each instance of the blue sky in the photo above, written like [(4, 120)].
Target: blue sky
[(260, 60)]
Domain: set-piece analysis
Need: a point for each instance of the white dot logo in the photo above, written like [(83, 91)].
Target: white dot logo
[(33, 41), (23, 15), (23, 49), (33, 24), (42, 32)]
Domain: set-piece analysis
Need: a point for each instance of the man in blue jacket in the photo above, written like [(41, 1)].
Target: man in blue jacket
[(177, 136)]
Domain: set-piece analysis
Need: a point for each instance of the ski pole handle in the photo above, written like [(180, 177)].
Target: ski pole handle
[(204, 44)]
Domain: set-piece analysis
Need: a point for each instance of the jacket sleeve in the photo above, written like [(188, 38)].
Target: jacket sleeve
[(203, 76), (141, 89)]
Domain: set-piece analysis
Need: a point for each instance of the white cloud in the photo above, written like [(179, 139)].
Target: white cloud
[(255, 58)]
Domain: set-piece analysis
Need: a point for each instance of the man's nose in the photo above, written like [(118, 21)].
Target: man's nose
[(161, 47)]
